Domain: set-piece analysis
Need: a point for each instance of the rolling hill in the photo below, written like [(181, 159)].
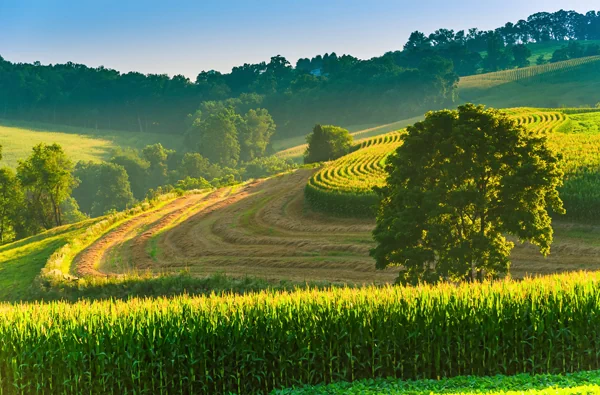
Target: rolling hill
[(572, 83), (17, 139), (294, 149), (266, 229), (345, 186)]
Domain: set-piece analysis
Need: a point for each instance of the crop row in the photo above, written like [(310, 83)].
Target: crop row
[(346, 185), (258, 342), (529, 72)]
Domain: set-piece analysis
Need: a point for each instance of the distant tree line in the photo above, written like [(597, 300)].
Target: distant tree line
[(351, 91), (217, 110), (504, 47), (573, 50)]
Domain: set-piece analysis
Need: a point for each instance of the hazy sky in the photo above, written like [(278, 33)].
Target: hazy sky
[(188, 36)]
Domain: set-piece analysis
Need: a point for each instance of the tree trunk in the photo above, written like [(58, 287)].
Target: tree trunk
[(2, 229), (55, 209)]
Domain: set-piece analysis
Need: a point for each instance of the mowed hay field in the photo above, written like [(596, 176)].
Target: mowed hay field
[(17, 139), (260, 229), (263, 230)]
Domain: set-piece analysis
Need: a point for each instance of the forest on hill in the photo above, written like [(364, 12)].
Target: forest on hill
[(325, 89)]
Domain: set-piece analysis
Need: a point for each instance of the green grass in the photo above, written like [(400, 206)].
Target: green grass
[(548, 48), (17, 139), (22, 261), (576, 383), (575, 85)]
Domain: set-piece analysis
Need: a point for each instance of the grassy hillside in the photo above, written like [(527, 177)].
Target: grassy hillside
[(265, 229), (294, 148), (572, 83), (17, 139), (22, 261), (546, 49)]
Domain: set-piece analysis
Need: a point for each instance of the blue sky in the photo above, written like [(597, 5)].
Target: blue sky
[(188, 36)]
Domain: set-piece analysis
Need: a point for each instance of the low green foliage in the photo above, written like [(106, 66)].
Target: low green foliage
[(144, 285), (268, 166), (255, 343), (581, 383)]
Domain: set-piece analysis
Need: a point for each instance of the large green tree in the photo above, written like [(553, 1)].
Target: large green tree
[(157, 157), (194, 165), (327, 142), (137, 169), (461, 181), (521, 53), (255, 134), (47, 179), (102, 187), (11, 199), (114, 192), (219, 137), (10, 202)]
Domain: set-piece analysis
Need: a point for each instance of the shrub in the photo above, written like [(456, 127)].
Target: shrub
[(327, 143), (268, 166)]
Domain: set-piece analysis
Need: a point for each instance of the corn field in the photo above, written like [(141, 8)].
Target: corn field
[(506, 76), (257, 342), (346, 185)]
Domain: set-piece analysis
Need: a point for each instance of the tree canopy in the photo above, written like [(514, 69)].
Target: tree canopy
[(460, 182), (327, 88), (47, 179), (102, 187), (327, 142)]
